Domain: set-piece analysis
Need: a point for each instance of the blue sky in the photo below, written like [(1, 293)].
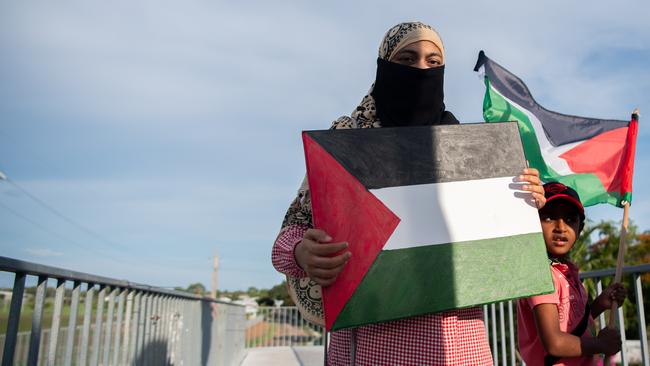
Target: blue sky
[(171, 130)]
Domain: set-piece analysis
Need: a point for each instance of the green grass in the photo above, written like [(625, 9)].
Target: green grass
[(26, 313)]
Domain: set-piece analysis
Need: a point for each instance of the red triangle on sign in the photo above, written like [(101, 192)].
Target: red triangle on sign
[(346, 211)]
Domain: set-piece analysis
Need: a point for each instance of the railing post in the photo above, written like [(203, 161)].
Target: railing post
[(72, 323), (502, 330), (174, 331), (109, 326), (640, 313), (511, 325), (165, 326), (136, 335), (157, 320), (147, 354), (56, 321), (599, 290), (97, 332), (142, 325), (37, 322), (495, 349), (621, 327), (14, 319), (128, 324), (85, 332), (118, 326)]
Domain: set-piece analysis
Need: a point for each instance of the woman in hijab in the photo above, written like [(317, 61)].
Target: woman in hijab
[(408, 91)]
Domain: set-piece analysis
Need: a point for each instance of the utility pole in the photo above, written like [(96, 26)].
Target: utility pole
[(214, 277)]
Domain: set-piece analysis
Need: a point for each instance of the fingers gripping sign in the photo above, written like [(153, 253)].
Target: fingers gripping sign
[(533, 184), (321, 259)]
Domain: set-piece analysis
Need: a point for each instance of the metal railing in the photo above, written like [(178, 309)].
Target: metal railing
[(281, 326), (284, 326), (501, 321), (120, 323)]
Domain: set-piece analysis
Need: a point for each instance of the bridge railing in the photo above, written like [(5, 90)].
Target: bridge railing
[(92, 320), (284, 326), (281, 326), (501, 320)]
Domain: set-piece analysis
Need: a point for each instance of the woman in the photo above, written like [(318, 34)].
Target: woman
[(408, 91)]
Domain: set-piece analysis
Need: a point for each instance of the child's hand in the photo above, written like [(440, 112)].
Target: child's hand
[(609, 341), (614, 292)]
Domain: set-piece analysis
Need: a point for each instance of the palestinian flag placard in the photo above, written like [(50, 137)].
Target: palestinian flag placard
[(433, 218), (593, 156)]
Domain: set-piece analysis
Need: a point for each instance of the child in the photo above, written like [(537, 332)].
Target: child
[(552, 328)]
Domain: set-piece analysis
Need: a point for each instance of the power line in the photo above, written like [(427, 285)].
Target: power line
[(45, 229), (109, 244), (59, 214)]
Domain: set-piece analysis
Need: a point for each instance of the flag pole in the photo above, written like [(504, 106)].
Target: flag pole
[(622, 247)]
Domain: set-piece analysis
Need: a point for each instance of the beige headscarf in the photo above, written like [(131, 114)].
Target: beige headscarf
[(398, 37)]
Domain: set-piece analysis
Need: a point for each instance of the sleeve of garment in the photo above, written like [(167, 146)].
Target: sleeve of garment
[(282, 255), (552, 298)]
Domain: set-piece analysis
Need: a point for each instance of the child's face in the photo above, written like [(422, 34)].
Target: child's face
[(560, 226)]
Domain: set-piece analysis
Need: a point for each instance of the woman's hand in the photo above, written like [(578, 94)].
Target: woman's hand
[(322, 260), (530, 176)]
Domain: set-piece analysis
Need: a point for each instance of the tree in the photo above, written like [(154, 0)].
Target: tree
[(265, 301), (280, 292), (196, 288), (602, 254), (252, 291)]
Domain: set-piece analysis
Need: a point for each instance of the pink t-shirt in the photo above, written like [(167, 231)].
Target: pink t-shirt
[(570, 297)]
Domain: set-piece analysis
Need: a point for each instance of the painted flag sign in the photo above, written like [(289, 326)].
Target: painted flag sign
[(432, 216), (594, 156)]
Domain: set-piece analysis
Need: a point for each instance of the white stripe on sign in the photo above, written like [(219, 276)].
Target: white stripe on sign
[(451, 212)]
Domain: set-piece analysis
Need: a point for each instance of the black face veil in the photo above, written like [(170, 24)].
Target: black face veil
[(408, 96)]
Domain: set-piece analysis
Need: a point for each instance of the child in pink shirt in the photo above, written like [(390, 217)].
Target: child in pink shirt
[(553, 328)]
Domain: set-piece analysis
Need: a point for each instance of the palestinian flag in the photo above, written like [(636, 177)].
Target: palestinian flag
[(594, 156), (433, 218)]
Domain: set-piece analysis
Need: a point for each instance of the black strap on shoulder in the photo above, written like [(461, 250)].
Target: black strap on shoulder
[(550, 360)]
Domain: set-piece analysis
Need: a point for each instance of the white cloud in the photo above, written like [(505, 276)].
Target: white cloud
[(43, 252)]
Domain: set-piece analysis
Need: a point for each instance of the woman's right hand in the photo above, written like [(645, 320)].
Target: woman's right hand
[(320, 259)]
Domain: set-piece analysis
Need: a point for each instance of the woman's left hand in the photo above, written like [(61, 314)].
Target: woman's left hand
[(530, 176)]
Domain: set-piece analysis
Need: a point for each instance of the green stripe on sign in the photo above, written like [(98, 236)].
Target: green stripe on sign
[(416, 281)]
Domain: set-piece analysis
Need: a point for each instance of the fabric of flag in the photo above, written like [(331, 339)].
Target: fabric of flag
[(433, 218), (593, 156)]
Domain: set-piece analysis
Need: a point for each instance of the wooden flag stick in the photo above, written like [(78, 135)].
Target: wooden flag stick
[(620, 259), (621, 248), (619, 262)]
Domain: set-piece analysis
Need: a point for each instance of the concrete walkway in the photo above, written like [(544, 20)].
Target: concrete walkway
[(284, 356)]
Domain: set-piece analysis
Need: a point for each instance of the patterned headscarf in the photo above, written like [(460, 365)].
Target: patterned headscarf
[(395, 39)]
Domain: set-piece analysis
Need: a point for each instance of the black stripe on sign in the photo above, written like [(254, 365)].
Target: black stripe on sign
[(560, 128), (400, 156)]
